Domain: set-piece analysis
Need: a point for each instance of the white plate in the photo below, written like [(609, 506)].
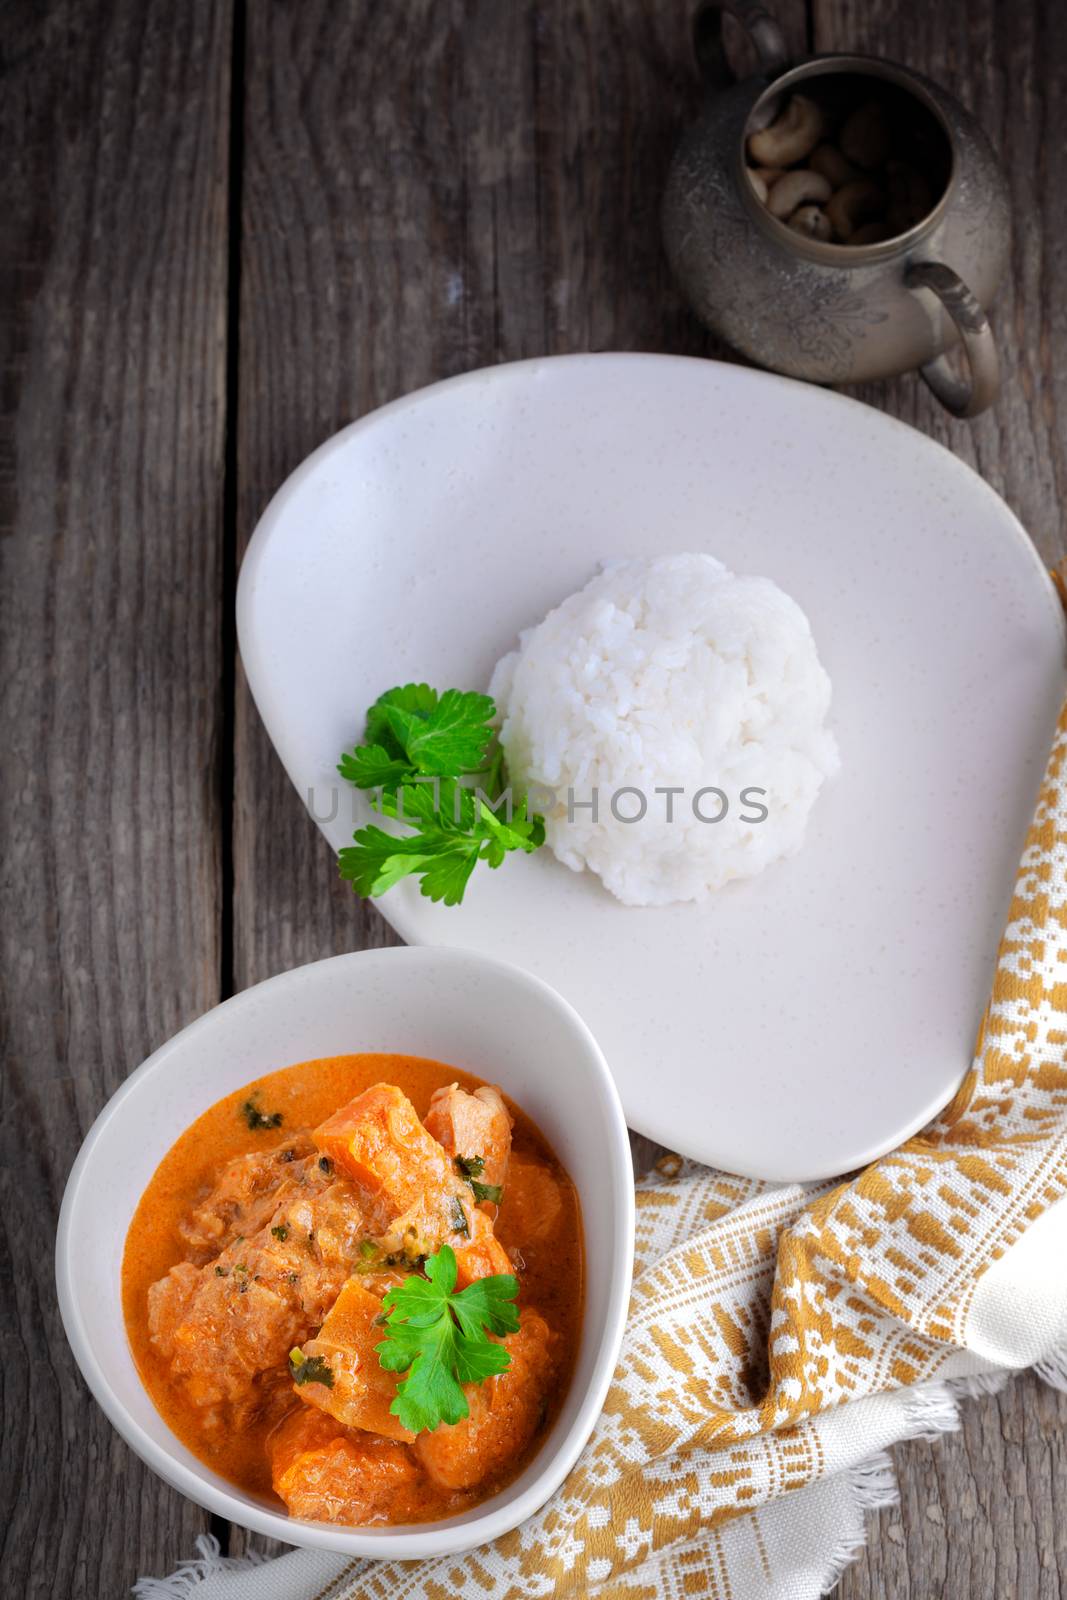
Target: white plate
[(800, 1024)]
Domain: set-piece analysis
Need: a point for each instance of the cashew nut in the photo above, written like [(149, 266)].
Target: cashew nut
[(763, 179), (794, 132), (856, 203), (812, 221), (795, 189), (871, 233), (827, 159), (865, 137)]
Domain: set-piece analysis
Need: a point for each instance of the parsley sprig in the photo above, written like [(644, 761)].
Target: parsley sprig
[(419, 748), (441, 1340)]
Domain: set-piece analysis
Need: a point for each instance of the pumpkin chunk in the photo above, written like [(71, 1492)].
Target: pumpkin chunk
[(362, 1391), (326, 1474), (505, 1413)]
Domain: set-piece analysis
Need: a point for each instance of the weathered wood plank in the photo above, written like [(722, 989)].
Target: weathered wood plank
[(982, 1512), (113, 122)]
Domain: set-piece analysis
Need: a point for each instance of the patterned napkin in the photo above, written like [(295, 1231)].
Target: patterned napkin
[(781, 1338)]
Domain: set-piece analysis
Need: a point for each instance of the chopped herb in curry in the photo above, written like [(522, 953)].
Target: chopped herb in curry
[(471, 1168), (487, 1191), (259, 1120), (310, 1369)]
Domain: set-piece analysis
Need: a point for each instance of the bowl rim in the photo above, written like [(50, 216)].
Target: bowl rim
[(417, 1541)]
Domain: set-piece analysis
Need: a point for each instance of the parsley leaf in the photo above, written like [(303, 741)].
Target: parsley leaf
[(441, 1340), (371, 766), (452, 736), (377, 860), (446, 877), (417, 698), (436, 733), (420, 747)]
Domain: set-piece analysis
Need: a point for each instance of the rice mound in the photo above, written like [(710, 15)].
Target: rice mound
[(669, 672)]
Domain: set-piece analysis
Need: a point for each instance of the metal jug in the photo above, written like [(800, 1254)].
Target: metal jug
[(824, 311)]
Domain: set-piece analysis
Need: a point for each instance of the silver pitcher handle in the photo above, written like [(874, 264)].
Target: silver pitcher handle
[(761, 28), (963, 397)]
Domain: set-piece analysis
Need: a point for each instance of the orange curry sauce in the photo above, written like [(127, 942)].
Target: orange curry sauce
[(538, 1222)]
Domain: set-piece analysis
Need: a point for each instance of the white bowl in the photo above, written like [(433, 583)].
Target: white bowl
[(465, 1009)]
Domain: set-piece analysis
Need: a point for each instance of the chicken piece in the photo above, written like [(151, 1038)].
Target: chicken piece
[(218, 1334), (326, 1230), (475, 1128), (505, 1413), (243, 1197), (452, 1219), (362, 1391), (221, 1325), (325, 1474)]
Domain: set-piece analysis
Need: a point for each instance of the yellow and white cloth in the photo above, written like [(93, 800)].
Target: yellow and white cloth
[(781, 1338)]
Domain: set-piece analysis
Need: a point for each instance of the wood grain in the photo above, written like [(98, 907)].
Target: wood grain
[(113, 121), (423, 188)]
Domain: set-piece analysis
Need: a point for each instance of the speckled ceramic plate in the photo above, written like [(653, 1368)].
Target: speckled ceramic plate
[(802, 1023)]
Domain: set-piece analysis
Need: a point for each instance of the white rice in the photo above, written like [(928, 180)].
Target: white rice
[(669, 673)]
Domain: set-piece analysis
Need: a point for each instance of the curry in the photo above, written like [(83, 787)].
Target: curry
[(276, 1234)]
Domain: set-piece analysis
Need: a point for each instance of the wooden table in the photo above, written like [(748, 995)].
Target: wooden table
[(231, 228)]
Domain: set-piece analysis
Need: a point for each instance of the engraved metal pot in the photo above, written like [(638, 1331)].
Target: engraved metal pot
[(834, 313)]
